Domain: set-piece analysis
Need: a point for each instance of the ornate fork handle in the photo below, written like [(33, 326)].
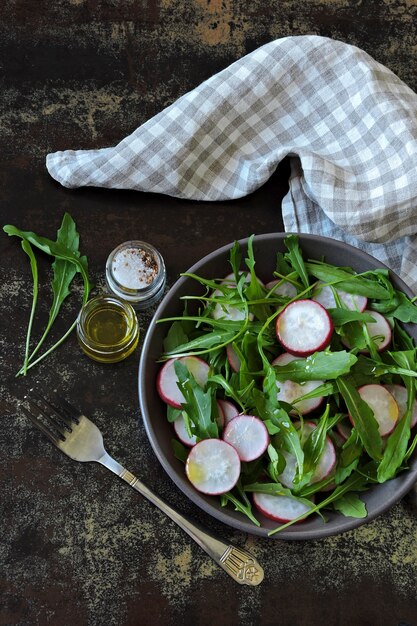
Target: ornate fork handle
[(238, 563)]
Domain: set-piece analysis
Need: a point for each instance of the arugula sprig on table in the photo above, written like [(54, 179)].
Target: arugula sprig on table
[(364, 458), (67, 263)]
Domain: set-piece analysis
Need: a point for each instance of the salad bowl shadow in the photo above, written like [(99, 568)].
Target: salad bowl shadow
[(378, 499)]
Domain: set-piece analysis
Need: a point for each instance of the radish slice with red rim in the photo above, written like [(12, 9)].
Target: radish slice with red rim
[(325, 296), (379, 331), (213, 466), (226, 311), (280, 508), (220, 415), (400, 394), (383, 405), (287, 475), (248, 435), (289, 391), (327, 460), (304, 327), (344, 428), (166, 383), (233, 358), (182, 433), (234, 313), (324, 467), (229, 410), (282, 288)]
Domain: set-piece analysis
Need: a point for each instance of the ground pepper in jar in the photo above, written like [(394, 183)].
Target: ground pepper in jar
[(135, 271)]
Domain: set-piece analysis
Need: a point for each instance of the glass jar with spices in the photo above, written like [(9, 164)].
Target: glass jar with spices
[(135, 272)]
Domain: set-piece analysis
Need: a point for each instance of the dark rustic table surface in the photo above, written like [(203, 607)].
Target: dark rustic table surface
[(77, 546)]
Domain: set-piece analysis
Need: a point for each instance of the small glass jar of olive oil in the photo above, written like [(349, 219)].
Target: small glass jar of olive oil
[(107, 329)]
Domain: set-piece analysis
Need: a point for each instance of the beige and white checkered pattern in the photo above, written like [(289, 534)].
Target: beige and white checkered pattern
[(349, 124)]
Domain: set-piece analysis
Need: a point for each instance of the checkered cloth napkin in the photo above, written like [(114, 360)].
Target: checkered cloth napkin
[(347, 122)]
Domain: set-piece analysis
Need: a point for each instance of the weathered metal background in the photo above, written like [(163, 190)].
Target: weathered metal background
[(76, 545)]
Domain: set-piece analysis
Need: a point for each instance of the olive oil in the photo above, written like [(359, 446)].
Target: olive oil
[(107, 329)]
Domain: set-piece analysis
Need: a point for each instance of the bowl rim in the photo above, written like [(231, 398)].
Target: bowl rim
[(400, 485)]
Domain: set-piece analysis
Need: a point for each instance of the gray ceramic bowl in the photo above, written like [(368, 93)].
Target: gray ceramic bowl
[(378, 499)]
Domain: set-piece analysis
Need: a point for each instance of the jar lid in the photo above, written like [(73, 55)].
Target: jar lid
[(135, 271)]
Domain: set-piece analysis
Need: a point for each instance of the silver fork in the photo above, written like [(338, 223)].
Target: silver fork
[(80, 439)]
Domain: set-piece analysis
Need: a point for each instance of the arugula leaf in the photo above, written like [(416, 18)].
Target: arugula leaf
[(344, 316), (34, 267), (350, 505), (175, 337), (173, 413), (197, 405), (369, 367), (235, 259), (396, 447), (355, 482), (295, 257), (180, 451), (319, 366), (351, 283), (363, 418), (276, 463), (208, 340), (67, 236), (400, 307), (244, 507), (255, 291), (314, 446), (63, 274), (268, 408)]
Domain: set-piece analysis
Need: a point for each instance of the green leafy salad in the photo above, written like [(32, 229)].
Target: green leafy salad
[(293, 396)]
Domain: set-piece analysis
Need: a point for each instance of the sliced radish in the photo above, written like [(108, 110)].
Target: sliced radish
[(324, 296), (285, 358), (289, 391), (400, 394), (383, 405), (304, 327), (229, 410), (230, 279), (379, 331), (167, 379), (182, 433), (280, 508), (324, 467), (213, 466), (327, 460), (344, 429), (233, 358), (226, 311), (181, 429), (287, 476), (282, 288), (248, 435), (220, 416)]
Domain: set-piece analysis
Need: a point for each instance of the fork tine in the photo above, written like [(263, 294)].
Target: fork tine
[(47, 411), (62, 419), (70, 409), (40, 425)]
